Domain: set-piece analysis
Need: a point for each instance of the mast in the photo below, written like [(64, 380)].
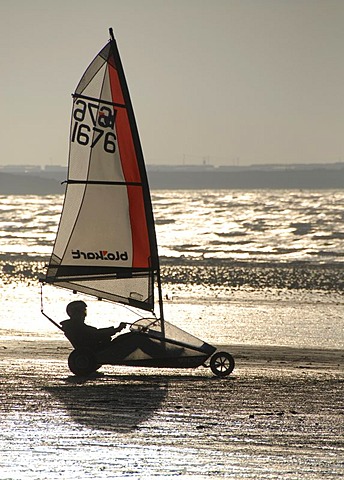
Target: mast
[(143, 173)]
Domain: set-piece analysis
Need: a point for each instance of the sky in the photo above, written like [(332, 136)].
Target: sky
[(221, 82)]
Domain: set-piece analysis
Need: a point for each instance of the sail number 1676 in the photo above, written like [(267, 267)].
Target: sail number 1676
[(93, 132)]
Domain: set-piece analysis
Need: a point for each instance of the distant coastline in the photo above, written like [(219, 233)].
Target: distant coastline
[(36, 180)]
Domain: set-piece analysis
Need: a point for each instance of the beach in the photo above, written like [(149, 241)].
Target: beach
[(278, 415)]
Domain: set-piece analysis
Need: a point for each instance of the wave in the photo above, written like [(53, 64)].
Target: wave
[(229, 225)]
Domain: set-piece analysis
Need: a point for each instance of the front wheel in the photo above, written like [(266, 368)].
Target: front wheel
[(82, 362), (222, 364)]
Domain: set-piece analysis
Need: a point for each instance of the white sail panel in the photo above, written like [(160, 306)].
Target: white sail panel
[(114, 246), (91, 79), (135, 292), (73, 201), (94, 134)]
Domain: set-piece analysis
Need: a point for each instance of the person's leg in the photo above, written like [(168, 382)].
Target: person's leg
[(123, 345)]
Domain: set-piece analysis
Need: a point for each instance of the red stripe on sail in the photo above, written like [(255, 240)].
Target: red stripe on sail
[(126, 147), (127, 153), (139, 232), (124, 137), (116, 90)]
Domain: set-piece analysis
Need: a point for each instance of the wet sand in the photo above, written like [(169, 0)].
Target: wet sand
[(211, 272), (279, 415)]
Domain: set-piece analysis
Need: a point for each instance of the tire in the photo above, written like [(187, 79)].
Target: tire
[(222, 364), (82, 362)]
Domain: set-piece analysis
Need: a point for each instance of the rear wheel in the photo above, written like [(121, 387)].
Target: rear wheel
[(82, 362), (222, 364)]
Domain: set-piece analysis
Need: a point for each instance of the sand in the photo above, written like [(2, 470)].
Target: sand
[(278, 416)]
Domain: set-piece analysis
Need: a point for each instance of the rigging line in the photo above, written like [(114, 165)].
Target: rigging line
[(99, 100), (123, 305), (46, 316)]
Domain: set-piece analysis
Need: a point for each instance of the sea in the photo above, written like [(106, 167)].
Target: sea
[(250, 225), (238, 266)]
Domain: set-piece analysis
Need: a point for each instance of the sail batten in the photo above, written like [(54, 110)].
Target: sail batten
[(102, 182), (99, 100), (106, 244)]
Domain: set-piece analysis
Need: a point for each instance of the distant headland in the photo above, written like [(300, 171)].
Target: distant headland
[(37, 180)]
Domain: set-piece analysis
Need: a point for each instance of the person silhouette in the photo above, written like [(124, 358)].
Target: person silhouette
[(82, 336)]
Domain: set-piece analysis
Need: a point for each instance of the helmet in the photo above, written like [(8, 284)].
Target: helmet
[(75, 307)]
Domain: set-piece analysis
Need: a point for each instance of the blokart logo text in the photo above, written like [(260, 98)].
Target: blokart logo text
[(100, 255)]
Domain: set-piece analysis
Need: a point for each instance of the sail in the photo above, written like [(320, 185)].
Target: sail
[(106, 244)]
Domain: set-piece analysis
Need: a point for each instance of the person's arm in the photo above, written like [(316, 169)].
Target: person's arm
[(112, 330), (120, 327)]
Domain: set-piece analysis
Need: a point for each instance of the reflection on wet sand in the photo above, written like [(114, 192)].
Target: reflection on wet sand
[(282, 417)]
